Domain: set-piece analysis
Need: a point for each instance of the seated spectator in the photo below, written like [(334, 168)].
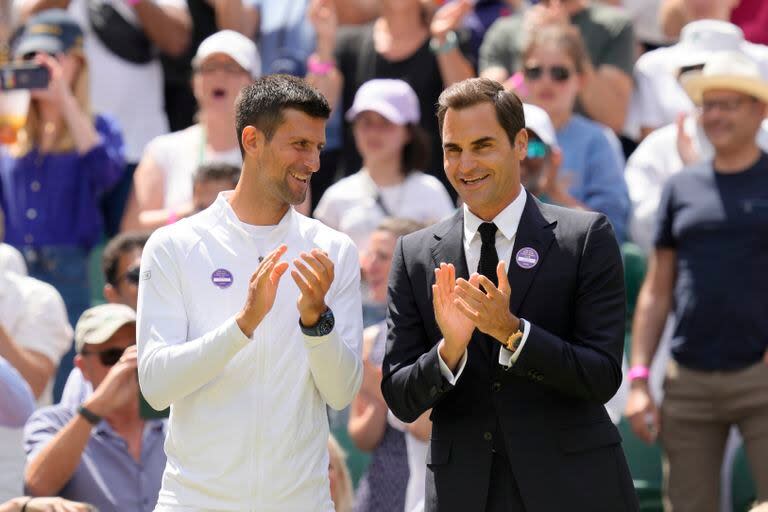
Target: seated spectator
[(403, 43), (120, 264), (338, 476), (591, 165), (30, 504), (383, 486), (101, 452), (385, 117), (210, 180), (658, 98), (62, 163), (18, 401), (162, 194), (34, 335), (123, 42), (606, 67)]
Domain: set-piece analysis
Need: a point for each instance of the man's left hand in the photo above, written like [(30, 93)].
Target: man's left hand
[(314, 276), (489, 309)]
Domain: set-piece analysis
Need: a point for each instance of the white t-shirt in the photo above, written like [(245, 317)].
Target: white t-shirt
[(654, 161), (11, 260), (33, 314), (179, 154), (350, 204), (645, 20), (132, 93)]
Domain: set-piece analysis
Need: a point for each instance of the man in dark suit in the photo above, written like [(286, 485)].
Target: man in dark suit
[(517, 359)]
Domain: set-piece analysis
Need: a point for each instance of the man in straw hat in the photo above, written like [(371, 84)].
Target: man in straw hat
[(711, 239)]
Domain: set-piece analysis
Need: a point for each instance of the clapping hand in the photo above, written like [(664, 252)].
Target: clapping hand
[(262, 290), (487, 308), (313, 275), (455, 327)]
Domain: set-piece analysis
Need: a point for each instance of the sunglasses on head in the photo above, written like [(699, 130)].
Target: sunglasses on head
[(108, 357), (556, 73), (537, 149)]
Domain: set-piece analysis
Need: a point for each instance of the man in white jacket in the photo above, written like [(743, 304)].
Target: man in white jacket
[(247, 360)]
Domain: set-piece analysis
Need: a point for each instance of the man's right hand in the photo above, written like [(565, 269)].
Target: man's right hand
[(118, 388), (456, 328), (262, 291), (642, 412)]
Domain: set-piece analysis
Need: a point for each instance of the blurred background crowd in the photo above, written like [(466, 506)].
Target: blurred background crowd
[(134, 130)]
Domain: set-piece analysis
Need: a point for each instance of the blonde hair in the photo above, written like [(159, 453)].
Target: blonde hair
[(343, 489), (566, 38), (29, 134)]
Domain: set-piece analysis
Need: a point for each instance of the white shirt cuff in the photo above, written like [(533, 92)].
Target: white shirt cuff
[(507, 358), (447, 373)]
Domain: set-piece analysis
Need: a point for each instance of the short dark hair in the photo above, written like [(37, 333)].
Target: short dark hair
[(216, 171), (118, 246), (473, 91), (261, 103), (416, 152)]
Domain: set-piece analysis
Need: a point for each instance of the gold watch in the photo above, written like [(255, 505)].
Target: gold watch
[(513, 341)]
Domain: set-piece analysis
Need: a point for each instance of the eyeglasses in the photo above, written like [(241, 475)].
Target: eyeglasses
[(231, 68), (729, 105), (131, 275), (556, 73), (108, 357), (537, 149)]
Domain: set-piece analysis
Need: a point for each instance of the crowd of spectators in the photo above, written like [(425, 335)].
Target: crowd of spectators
[(136, 130)]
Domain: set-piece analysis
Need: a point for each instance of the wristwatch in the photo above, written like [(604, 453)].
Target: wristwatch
[(514, 339), (89, 416), (451, 42), (323, 326)]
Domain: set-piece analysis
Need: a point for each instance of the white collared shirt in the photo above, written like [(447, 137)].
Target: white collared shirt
[(248, 427), (507, 222)]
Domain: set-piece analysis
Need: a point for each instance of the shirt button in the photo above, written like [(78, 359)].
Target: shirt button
[(35, 186), (496, 386), (28, 239), (31, 214), (487, 436)]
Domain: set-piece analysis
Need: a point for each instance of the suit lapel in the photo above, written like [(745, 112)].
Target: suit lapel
[(533, 239)]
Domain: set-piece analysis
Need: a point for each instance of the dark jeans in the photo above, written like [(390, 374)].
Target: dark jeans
[(66, 269)]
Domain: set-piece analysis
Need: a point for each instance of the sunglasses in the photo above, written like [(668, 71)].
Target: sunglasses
[(537, 149), (556, 73), (108, 357), (131, 275)]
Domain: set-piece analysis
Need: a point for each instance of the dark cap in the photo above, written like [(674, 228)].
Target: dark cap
[(52, 31)]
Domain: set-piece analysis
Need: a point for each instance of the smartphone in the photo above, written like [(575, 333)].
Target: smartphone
[(148, 412), (26, 75)]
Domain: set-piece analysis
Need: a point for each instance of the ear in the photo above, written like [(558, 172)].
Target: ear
[(253, 141), (111, 294), (80, 364), (521, 144)]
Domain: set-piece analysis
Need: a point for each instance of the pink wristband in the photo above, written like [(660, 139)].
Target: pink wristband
[(638, 372), (317, 66), (172, 217)]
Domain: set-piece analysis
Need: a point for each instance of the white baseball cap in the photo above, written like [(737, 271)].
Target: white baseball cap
[(99, 323), (700, 39), (393, 99), (234, 45), (537, 120)]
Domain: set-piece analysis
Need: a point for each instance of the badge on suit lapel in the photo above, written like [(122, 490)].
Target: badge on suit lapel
[(527, 258)]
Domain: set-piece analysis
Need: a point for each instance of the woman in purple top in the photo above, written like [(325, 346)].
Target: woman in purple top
[(63, 160)]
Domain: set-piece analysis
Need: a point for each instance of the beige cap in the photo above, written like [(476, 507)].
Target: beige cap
[(98, 324), (730, 71)]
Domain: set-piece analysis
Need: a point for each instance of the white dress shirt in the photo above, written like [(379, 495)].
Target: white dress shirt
[(507, 222), (248, 427)]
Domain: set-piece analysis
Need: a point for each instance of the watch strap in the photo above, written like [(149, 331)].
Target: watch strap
[(90, 417)]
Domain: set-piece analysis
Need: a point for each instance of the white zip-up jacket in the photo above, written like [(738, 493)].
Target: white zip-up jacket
[(248, 427)]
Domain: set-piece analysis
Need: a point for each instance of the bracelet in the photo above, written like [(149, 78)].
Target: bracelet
[(319, 67), (26, 502), (90, 417), (638, 372), (451, 42)]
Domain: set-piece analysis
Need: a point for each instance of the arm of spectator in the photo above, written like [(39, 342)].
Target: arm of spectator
[(104, 163), (454, 66), (421, 429), (54, 448), (169, 27), (36, 368), (672, 17), (605, 95), (323, 16), (368, 414), (29, 504), (18, 403), (235, 15), (145, 210), (357, 12)]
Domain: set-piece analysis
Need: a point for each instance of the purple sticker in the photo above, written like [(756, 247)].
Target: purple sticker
[(527, 257), (222, 278)]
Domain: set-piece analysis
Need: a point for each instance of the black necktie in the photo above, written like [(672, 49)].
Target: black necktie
[(489, 258)]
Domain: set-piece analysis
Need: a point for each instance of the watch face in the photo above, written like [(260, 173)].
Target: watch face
[(325, 326)]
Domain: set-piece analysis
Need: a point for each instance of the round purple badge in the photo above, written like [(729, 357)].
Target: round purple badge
[(527, 257), (222, 278)]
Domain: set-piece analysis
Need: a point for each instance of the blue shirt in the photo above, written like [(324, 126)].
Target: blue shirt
[(594, 170), (718, 226), (17, 402), (53, 198), (107, 477)]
